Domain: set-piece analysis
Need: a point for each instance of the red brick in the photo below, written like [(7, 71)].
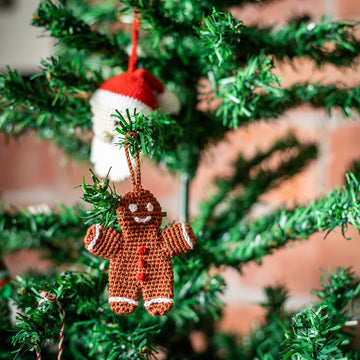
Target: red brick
[(240, 318), (349, 9), (26, 163), (344, 148), (297, 265), (22, 261), (278, 12)]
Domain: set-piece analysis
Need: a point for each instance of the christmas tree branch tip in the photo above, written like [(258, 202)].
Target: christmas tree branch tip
[(324, 329), (103, 198), (151, 132), (326, 41)]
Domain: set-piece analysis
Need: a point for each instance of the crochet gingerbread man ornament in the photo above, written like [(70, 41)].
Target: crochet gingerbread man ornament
[(140, 254)]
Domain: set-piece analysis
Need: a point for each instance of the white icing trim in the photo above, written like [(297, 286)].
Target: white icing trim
[(186, 236), (142, 220), (97, 234), (132, 207), (158, 301), (122, 299)]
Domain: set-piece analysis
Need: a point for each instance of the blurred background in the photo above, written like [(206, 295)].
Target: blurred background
[(35, 172)]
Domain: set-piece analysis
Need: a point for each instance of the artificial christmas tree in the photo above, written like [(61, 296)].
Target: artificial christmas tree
[(182, 42)]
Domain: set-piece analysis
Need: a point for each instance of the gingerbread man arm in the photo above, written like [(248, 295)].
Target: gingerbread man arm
[(104, 243), (177, 239)]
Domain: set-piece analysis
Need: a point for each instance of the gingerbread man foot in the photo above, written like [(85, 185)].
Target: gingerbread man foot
[(122, 308), (159, 307)]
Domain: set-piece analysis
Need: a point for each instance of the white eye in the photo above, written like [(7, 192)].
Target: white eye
[(132, 207), (150, 207)]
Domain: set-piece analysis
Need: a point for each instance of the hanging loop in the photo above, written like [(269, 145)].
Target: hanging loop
[(135, 180), (135, 33)]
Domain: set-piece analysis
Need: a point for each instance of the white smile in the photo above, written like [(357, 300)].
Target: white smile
[(142, 220)]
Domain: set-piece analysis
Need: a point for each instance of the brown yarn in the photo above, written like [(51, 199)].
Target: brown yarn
[(140, 254), (136, 181)]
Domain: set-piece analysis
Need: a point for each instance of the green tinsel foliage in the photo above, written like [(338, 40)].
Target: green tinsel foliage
[(226, 212), (56, 232), (5, 314), (73, 32), (338, 291), (253, 239), (150, 132), (326, 41), (324, 330), (104, 201), (242, 60), (319, 332), (315, 336), (105, 335), (180, 51)]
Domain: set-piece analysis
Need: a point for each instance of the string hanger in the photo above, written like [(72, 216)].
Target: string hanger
[(48, 297), (135, 34), (135, 179)]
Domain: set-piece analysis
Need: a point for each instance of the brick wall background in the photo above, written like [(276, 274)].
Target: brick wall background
[(35, 172)]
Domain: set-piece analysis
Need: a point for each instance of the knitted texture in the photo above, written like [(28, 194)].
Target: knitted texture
[(139, 85), (131, 90), (135, 90), (140, 255)]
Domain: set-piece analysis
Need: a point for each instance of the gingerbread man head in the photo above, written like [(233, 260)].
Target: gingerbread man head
[(139, 209)]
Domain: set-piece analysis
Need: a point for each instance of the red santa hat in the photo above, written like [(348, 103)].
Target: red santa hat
[(136, 89)]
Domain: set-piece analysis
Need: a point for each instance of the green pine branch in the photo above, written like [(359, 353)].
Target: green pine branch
[(264, 342), (324, 42), (98, 14), (73, 32), (196, 304), (253, 92), (254, 239), (315, 336), (242, 101), (38, 324), (52, 103), (36, 105), (325, 329), (338, 291), (255, 170), (73, 72), (229, 206), (164, 18), (58, 232), (311, 334), (104, 201)]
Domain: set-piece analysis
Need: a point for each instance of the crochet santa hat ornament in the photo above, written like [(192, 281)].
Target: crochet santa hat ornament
[(135, 90)]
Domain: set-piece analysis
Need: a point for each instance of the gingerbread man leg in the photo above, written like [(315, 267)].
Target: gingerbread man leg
[(158, 292), (123, 291)]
